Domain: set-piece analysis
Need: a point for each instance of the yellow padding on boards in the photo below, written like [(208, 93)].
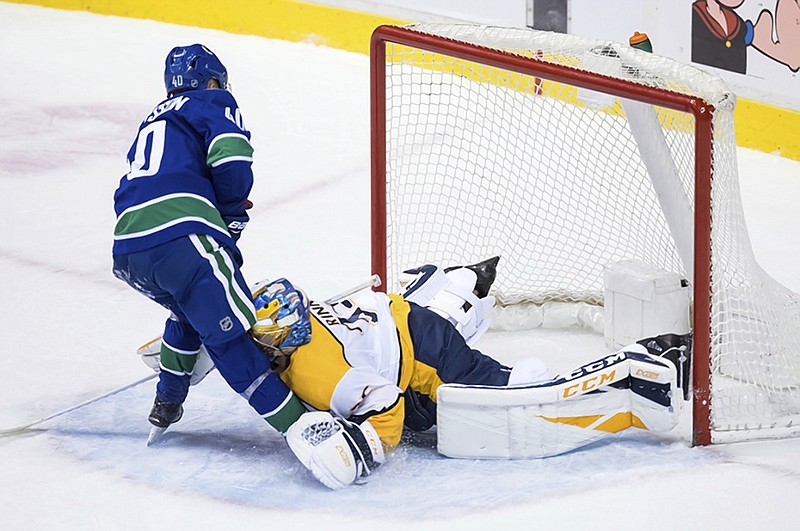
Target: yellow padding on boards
[(275, 19), (767, 128)]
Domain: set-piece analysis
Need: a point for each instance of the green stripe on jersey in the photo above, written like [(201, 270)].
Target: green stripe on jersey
[(166, 212), (246, 308), (224, 147), (287, 414), (177, 362)]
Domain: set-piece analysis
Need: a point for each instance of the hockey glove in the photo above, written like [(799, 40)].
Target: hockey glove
[(420, 411), (336, 451), (151, 356), (236, 225)]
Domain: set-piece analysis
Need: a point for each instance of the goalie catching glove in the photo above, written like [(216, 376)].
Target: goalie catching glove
[(151, 356), (336, 451)]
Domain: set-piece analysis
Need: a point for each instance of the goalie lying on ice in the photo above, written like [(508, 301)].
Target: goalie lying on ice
[(372, 362)]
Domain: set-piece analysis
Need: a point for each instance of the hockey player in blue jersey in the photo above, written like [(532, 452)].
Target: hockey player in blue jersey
[(180, 210)]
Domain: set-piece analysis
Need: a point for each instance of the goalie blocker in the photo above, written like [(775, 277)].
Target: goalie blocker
[(629, 388)]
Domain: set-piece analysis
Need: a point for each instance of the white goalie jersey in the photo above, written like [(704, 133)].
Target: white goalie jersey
[(359, 361)]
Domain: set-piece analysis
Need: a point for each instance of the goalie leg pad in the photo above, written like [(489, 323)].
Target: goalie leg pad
[(336, 451), (677, 348), (619, 391), (202, 366), (151, 354)]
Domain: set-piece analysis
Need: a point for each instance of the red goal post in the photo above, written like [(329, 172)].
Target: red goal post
[(455, 65)]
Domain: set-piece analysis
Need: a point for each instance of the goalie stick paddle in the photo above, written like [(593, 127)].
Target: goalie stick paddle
[(17, 430)]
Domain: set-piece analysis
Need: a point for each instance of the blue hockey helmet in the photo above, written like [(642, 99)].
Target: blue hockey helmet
[(282, 318), (190, 67)]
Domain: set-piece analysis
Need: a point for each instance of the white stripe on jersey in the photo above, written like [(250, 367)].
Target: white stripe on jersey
[(224, 281), (232, 159), (180, 350)]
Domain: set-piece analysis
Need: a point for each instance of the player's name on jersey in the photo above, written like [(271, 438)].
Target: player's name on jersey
[(172, 103), (323, 314)]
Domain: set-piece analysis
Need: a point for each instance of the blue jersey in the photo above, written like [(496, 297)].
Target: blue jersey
[(189, 173)]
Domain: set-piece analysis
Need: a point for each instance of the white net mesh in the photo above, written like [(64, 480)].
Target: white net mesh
[(560, 181)]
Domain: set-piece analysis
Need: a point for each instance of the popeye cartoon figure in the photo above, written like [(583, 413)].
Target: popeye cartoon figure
[(720, 37)]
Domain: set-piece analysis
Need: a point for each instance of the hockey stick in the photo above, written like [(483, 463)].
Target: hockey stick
[(25, 427), (373, 282)]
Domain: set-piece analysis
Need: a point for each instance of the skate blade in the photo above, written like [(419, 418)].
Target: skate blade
[(155, 435)]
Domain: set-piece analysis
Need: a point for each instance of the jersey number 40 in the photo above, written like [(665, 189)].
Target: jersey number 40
[(147, 162)]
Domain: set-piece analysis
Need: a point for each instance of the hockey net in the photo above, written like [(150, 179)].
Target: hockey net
[(563, 154)]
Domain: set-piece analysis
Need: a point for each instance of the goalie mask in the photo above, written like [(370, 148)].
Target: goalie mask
[(282, 321)]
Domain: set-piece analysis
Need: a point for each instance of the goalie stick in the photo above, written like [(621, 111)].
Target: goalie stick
[(373, 282), (17, 430)]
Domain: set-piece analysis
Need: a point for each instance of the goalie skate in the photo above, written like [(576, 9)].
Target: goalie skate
[(486, 272), (459, 294), (626, 389), (677, 349)]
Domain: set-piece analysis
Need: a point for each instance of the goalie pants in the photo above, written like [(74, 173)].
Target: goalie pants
[(438, 345), (442, 356), (200, 283)]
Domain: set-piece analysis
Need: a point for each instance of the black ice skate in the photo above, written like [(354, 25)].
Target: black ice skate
[(162, 415), (486, 271), (676, 348), (165, 413)]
